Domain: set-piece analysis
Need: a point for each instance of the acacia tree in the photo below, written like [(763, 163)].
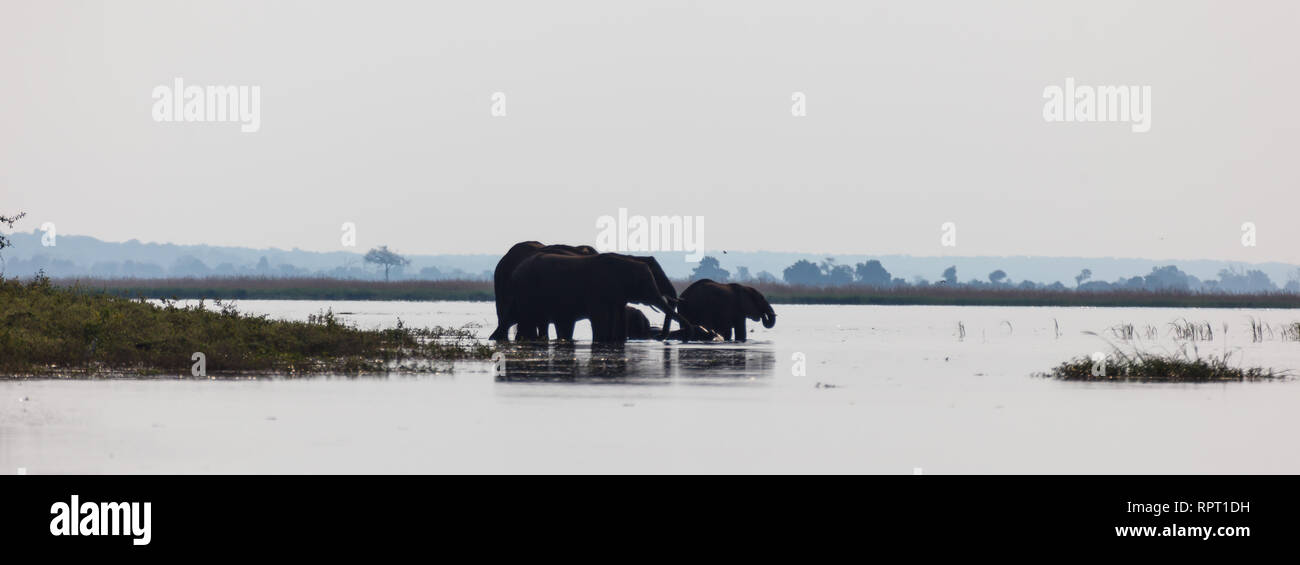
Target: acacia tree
[(4, 241), (1082, 276), (382, 256), (996, 277)]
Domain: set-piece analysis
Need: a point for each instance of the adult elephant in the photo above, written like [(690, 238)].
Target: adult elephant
[(724, 308), (504, 293), (563, 289)]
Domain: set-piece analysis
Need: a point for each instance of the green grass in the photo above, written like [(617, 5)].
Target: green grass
[(48, 330), (1167, 368)]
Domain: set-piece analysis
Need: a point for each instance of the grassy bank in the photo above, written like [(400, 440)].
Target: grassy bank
[(67, 331), (342, 289)]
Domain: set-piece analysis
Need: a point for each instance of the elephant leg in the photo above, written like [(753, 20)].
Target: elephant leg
[(741, 333), (564, 329), (502, 333), (609, 333), (599, 323), (528, 330), (619, 329)]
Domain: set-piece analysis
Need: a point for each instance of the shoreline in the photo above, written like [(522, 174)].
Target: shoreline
[(244, 288)]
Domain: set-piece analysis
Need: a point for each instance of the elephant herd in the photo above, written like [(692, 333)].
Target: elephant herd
[(539, 285)]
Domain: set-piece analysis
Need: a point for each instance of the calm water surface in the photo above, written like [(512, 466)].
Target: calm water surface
[(886, 390)]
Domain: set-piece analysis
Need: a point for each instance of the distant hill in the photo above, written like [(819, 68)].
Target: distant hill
[(80, 256)]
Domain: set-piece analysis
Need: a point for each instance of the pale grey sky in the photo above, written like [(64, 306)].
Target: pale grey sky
[(919, 113)]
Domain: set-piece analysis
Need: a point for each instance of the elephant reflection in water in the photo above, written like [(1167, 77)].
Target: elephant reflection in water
[(563, 362), (724, 362)]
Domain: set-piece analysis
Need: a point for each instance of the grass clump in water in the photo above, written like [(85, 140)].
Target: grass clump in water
[(46, 330), (1182, 367)]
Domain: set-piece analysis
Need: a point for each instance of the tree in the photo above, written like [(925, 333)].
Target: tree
[(9, 220), (1082, 276), (1168, 277), (4, 241), (996, 277), (742, 274), (950, 275), (872, 273), (382, 256), (1252, 281), (836, 275), (803, 272), (709, 269)]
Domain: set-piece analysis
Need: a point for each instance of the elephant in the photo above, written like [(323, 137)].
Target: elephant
[(503, 292), (723, 308), (518, 253), (638, 326), (562, 289)]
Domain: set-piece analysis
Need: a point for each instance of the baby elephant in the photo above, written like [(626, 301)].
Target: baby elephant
[(724, 308), (638, 326)]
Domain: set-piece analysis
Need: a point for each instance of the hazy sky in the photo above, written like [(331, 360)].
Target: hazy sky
[(918, 113)]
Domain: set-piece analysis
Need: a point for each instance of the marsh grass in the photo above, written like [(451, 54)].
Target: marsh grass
[(1290, 332), (1193, 331), (322, 288), (1180, 367), (1186, 365), (46, 330)]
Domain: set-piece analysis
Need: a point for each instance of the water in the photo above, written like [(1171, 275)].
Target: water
[(886, 390)]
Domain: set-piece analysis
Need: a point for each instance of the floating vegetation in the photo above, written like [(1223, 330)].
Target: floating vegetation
[(1178, 368), (1184, 366)]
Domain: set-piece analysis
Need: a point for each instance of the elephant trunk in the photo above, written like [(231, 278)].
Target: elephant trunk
[(670, 314), (769, 319)]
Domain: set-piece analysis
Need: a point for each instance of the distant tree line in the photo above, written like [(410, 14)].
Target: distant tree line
[(871, 273), (378, 264)]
